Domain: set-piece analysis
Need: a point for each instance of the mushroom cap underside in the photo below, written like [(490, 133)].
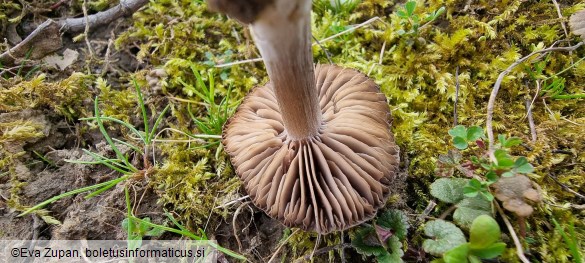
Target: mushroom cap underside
[(332, 181)]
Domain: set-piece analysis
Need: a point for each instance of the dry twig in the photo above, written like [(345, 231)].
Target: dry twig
[(496, 88), (46, 38), (519, 249)]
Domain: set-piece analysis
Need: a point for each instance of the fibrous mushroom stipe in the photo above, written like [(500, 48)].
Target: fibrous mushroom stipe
[(313, 147)]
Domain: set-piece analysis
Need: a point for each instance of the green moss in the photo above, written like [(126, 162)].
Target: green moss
[(65, 96), (417, 74)]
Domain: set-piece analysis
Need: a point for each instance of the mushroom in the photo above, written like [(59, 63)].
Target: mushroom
[(313, 147)]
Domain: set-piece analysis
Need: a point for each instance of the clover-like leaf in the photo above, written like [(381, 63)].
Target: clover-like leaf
[(449, 190), (474, 133), (458, 131), (445, 237), (460, 143), (503, 158), (489, 252), (521, 165), (457, 254), (469, 209), (484, 232), (409, 7)]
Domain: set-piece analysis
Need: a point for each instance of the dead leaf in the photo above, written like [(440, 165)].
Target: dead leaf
[(516, 192), (62, 62), (577, 23)]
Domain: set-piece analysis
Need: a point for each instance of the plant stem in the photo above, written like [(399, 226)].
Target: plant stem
[(283, 36)]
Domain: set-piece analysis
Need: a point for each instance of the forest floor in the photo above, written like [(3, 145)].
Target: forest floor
[(437, 63)]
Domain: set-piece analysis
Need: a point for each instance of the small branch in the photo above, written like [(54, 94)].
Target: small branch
[(566, 188), (273, 257), (456, 96), (519, 249), (324, 50), (46, 38), (86, 32), (530, 120), (561, 17), (448, 212), (496, 88)]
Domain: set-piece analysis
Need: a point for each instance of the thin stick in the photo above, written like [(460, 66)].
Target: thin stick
[(456, 96), (233, 201), (379, 59), (566, 188), (234, 225), (530, 120), (86, 31), (561, 17), (282, 245), (496, 88), (519, 249), (324, 50)]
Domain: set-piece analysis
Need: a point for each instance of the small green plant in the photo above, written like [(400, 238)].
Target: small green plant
[(412, 21), (452, 191), (120, 162), (218, 113), (552, 86), (571, 240), (484, 168), (138, 228), (449, 241), (383, 239)]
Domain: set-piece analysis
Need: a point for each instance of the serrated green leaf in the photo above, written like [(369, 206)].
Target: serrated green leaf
[(445, 237), (484, 232), (474, 133), (366, 242), (395, 220), (508, 174), (395, 252), (449, 190), (457, 254)]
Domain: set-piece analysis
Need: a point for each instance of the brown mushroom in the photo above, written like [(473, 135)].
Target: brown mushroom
[(313, 146)]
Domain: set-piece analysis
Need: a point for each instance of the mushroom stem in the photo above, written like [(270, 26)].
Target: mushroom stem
[(282, 33)]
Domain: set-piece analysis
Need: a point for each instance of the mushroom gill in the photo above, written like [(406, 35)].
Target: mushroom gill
[(330, 181), (313, 146)]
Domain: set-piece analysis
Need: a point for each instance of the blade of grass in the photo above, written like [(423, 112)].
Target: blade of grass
[(125, 124), (142, 107), (112, 162), (155, 126), (132, 146), (70, 193), (106, 187)]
